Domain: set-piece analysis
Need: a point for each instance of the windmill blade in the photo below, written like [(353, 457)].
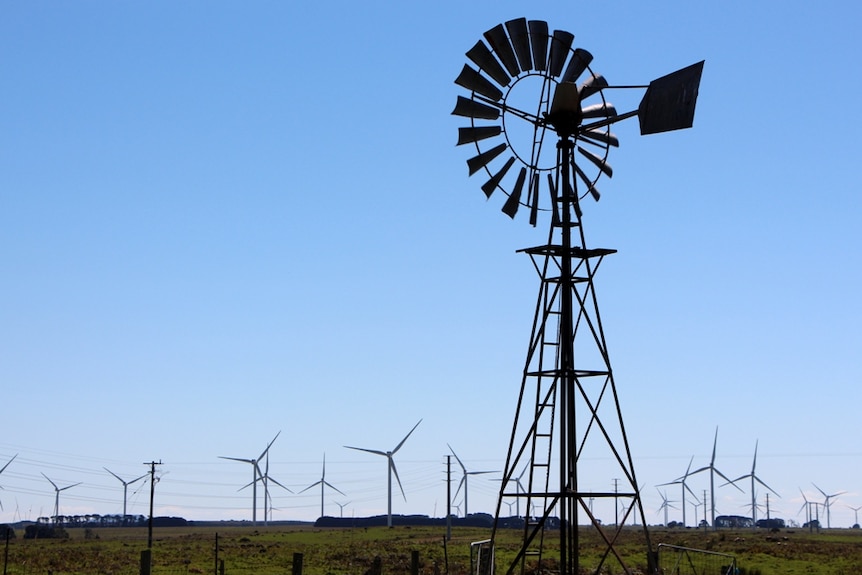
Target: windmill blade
[(460, 484), (555, 214), (471, 109), (517, 29), (723, 476), (533, 200), (482, 57), (499, 43), (374, 451), (757, 479), (8, 462), (473, 80), (477, 133), (69, 486), (331, 486), (478, 162), (492, 184), (268, 445), (397, 447), (592, 85), (510, 208), (577, 65), (315, 484), (599, 162), (594, 192), (601, 136), (458, 459), (55, 485), (539, 43), (561, 43), (237, 459), (600, 110), (398, 479), (277, 483)]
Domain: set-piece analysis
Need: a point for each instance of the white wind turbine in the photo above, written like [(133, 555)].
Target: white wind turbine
[(681, 481), (754, 478), (256, 475), (464, 477), (57, 491), (341, 507), (125, 489), (267, 498), (4, 469), (856, 514), (665, 504), (323, 484), (712, 471), (391, 469), (827, 503)]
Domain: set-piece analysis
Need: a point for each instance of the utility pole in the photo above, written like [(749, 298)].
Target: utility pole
[(448, 498), (152, 465), (616, 505)]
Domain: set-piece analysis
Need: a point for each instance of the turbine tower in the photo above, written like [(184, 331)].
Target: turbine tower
[(712, 473), (391, 467), (256, 475), (323, 484), (464, 476), (754, 478), (4, 469), (57, 491), (125, 489), (543, 139), (685, 487)]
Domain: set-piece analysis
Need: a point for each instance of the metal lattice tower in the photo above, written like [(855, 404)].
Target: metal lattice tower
[(568, 435)]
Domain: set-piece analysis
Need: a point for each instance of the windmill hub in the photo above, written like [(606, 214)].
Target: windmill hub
[(566, 113)]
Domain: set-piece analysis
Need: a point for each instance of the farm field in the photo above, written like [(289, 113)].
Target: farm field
[(269, 550)]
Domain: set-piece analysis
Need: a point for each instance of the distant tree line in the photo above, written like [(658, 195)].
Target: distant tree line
[(118, 520)]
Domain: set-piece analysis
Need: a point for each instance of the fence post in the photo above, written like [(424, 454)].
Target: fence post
[(297, 564), (146, 561), (414, 563)]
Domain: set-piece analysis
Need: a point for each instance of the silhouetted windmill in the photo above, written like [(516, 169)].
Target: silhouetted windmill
[(827, 503), (57, 491), (712, 472), (681, 481), (4, 469), (125, 489), (391, 467), (464, 477), (256, 475), (323, 484), (754, 478)]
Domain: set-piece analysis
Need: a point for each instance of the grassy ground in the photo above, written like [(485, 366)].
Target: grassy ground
[(270, 550)]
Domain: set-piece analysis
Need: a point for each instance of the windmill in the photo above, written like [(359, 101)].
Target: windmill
[(685, 487), (4, 469), (267, 498), (125, 489), (323, 484), (855, 514), (341, 507), (712, 473), (665, 505), (464, 476), (526, 108), (754, 478), (256, 475), (391, 469), (57, 491), (827, 503)]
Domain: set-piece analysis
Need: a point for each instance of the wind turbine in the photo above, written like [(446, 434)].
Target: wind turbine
[(665, 504), (341, 507), (267, 498), (754, 478), (681, 481), (4, 469), (464, 477), (856, 514), (712, 471), (125, 488), (57, 491), (323, 484), (255, 470), (391, 466), (827, 503)]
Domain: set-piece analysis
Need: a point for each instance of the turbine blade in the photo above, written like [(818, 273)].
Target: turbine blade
[(499, 43), (600, 110), (478, 162), (397, 447), (592, 85), (473, 80), (237, 459), (534, 204), (8, 462), (510, 208), (539, 43), (398, 479), (561, 43), (482, 57), (517, 29), (471, 109), (492, 184), (599, 162), (331, 486), (594, 192), (315, 484), (579, 62), (477, 133), (458, 459), (374, 451), (54, 484)]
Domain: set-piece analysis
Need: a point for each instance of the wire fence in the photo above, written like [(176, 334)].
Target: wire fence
[(675, 560)]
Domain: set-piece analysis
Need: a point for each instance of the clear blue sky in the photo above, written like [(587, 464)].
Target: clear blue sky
[(223, 220)]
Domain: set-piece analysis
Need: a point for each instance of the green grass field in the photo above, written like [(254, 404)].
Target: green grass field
[(269, 550)]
